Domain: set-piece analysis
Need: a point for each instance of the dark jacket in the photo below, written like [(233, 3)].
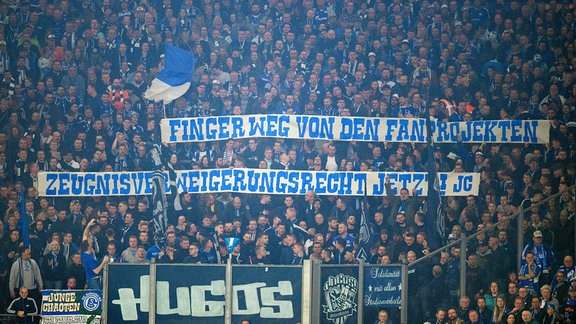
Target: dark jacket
[(53, 267), (28, 305)]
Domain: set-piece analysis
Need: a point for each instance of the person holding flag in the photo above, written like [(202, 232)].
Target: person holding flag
[(160, 199), (170, 84), (434, 224)]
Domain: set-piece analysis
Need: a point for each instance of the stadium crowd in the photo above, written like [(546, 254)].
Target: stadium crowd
[(71, 100)]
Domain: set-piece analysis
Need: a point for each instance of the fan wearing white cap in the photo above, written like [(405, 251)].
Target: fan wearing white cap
[(543, 255)]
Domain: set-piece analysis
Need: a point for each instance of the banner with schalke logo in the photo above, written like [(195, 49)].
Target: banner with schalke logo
[(339, 294), (71, 306)]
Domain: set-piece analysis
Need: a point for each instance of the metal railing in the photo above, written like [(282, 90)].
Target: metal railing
[(311, 307), (463, 241), (12, 318)]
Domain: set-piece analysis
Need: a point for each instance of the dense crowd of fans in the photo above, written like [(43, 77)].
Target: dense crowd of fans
[(71, 100)]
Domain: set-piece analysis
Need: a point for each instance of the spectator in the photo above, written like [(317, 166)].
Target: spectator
[(552, 316), (54, 267), (25, 272), (492, 295), (433, 292), (25, 308), (141, 255), (72, 87), (129, 254), (544, 257), (474, 317), (453, 317), (382, 317), (343, 233), (484, 314), (527, 318), (71, 284), (194, 255), (518, 309), (570, 306), (76, 271), (546, 293), (401, 205), (92, 269), (500, 311)]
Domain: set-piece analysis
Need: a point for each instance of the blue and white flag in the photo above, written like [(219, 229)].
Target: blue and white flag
[(231, 242), (175, 79)]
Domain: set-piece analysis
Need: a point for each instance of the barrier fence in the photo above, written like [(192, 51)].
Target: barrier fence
[(312, 293), (10, 318), (515, 221)]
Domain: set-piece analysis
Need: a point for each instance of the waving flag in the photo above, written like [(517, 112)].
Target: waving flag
[(435, 223), (231, 242), (175, 79), (363, 251), (175, 192), (159, 204), (161, 201)]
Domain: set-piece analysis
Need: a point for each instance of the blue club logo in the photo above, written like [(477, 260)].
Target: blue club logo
[(91, 301)]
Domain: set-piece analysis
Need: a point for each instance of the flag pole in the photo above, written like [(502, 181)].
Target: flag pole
[(434, 218), (24, 218), (364, 234)]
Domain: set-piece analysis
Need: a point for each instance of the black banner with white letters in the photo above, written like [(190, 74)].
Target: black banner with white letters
[(382, 286), (128, 293), (267, 294), (188, 293), (197, 293)]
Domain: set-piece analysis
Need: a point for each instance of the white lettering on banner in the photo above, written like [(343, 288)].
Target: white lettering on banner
[(70, 319), (352, 129), (255, 181), (382, 286), (383, 272), (198, 301), (250, 291), (379, 302), (202, 306), (285, 309)]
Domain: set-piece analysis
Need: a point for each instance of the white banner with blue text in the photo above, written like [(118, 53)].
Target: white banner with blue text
[(369, 129), (255, 181)]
